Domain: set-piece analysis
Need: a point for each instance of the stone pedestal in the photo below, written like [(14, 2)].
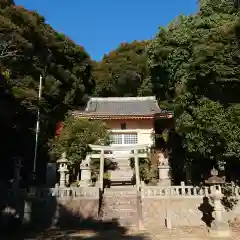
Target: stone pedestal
[(85, 176), (163, 170), (220, 230), (219, 226), (164, 179), (85, 172)]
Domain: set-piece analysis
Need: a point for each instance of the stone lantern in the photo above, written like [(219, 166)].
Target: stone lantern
[(219, 226), (214, 180), (63, 169)]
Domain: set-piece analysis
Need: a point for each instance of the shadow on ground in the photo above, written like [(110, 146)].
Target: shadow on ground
[(49, 219)]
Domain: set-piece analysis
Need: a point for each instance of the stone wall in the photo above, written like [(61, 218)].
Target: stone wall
[(181, 211), (46, 211), (75, 212), (71, 207)]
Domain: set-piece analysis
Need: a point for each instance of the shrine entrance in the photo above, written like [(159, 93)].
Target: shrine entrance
[(123, 174)]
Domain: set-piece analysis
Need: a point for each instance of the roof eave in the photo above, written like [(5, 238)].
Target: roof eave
[(107, 116)]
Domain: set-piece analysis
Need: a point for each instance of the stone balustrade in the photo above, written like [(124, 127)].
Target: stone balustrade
[(146, 192), (77, 192), (181, 191), (66, 192), (175, 191)]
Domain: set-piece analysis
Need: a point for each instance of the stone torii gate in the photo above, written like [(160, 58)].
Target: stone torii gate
[(133, 152)]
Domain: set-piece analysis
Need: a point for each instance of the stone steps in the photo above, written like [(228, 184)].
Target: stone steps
[(121, 203), (123, 191), (124, 173), (124, 176)]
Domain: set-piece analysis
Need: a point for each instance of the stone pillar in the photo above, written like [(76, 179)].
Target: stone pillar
[(137, 172), (164, 179), (85, 172), (219, 226), (101, 173)]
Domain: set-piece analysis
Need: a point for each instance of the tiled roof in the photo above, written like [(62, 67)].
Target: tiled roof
[(138, 106)]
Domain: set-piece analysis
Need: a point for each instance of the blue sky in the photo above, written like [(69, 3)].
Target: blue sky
[(101, 25)]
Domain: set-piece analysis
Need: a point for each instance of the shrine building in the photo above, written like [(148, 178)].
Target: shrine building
[(130, 119)]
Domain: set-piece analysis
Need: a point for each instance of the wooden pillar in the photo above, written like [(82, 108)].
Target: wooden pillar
[(137, 173), (101, 169)]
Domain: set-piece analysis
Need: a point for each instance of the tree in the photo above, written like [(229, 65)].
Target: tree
[(66, 70), (195, 63), (75, 137), (6, 3), (124, 72)]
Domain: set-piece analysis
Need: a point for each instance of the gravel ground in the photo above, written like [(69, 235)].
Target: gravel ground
[(185, 233)]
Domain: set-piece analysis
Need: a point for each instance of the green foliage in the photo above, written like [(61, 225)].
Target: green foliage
[(148, 172), (229, 199), (124, 72), (208, 7), (6, 3), (208, 129), (109, 165), (30, 47), (75, 137), (194, 63), (192, 66)]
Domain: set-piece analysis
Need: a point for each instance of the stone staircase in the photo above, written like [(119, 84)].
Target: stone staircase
[(120, 203), (124, 172)]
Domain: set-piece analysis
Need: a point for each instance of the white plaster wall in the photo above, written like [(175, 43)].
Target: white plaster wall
[(145, 136), (143, 127)]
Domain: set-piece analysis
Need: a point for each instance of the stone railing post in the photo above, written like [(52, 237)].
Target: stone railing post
[(183, 192), (219, 227)]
